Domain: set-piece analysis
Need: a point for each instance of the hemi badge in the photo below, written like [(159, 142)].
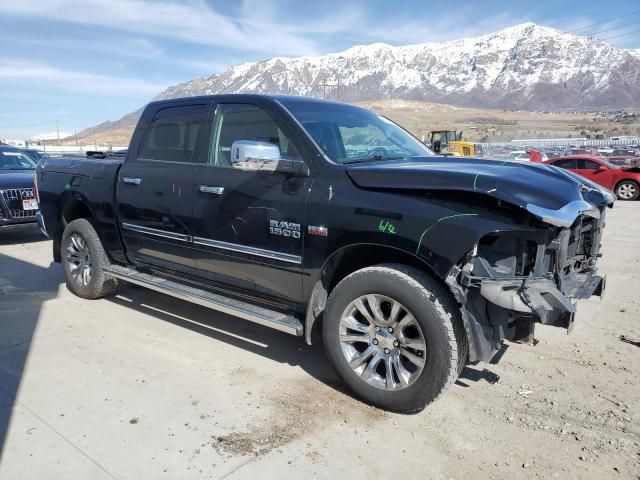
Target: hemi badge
[(317, 231)]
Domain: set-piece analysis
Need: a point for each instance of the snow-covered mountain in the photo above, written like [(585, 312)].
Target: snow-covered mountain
[(526, 66)]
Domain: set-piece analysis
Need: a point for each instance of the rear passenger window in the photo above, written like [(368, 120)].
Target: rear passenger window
[(173, 135)]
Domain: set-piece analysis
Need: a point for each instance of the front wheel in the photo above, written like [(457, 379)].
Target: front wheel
[(83, 258), (394, 336), (627, 190)]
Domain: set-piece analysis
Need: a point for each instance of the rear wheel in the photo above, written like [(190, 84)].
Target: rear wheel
[(392, 334), (83, 258), (627, 190)]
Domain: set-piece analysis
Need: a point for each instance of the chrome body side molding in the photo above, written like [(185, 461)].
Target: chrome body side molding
[(284, 257), (156, 232), (234, 247)]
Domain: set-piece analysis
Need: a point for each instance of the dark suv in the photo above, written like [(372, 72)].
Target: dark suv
[(18, 203)]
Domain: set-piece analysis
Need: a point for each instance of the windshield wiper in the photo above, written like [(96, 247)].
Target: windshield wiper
[(375, 158)]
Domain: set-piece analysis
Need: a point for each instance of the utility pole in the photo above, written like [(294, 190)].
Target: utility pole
[(325, 84), (58, 131), (324, 88)]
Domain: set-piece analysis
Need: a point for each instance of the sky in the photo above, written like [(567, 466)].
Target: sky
[(80, 63)]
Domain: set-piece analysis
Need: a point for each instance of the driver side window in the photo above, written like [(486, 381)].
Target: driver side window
[(235, 122)]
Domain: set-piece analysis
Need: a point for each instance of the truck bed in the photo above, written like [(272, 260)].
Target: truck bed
[(66, 183)]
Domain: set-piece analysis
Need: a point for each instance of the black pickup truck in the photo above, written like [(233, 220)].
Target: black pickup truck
[(322, 218)]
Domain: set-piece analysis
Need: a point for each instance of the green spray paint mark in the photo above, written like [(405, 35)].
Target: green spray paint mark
[(442, 220), (475, 179), (386, 227)]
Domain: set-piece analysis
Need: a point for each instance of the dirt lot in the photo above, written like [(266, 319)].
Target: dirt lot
[(482, 124), (143, 386)]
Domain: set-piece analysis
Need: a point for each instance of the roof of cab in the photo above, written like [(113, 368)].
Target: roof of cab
[(248, 96)]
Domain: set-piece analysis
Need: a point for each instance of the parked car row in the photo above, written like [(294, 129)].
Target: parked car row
[(628, 156)]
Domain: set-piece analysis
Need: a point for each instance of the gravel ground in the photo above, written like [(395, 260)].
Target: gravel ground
[(145, 386)]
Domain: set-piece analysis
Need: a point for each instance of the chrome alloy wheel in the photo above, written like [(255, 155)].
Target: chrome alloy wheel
[(79, 259), (382, 342), (627, 191)]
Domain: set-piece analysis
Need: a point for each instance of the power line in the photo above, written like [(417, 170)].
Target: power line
[(621, 35), (604, 21), (614, 28)]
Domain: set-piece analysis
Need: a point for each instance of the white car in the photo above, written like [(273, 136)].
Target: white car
[(524, 156), (519, 155)]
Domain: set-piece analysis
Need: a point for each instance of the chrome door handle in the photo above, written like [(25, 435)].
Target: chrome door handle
[(211, 189), (131, 180)]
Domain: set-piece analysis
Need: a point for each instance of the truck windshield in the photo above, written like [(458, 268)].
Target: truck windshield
[(350, 134), (12, 160)]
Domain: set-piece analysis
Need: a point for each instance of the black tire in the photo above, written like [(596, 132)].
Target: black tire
[(625, 190), (438, 317), (98, 284)]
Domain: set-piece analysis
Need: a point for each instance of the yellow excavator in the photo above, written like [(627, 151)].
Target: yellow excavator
[(449, 142)]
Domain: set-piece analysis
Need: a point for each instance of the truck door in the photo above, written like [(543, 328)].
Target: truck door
[(248, 225), (155, 189)]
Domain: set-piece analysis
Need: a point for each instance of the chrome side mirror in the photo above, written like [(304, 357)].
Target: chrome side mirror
[(254, 156)]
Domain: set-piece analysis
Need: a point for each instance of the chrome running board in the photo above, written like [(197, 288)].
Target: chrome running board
[(268, 318)]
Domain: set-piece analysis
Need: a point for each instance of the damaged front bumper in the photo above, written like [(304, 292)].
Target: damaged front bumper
[(508, 308), (540, 297), (513, 280)]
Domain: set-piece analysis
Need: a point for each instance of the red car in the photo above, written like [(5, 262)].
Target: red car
[(623, 181)]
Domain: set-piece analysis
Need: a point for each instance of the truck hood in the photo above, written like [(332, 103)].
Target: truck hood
[(552, 194), (16, 179)]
